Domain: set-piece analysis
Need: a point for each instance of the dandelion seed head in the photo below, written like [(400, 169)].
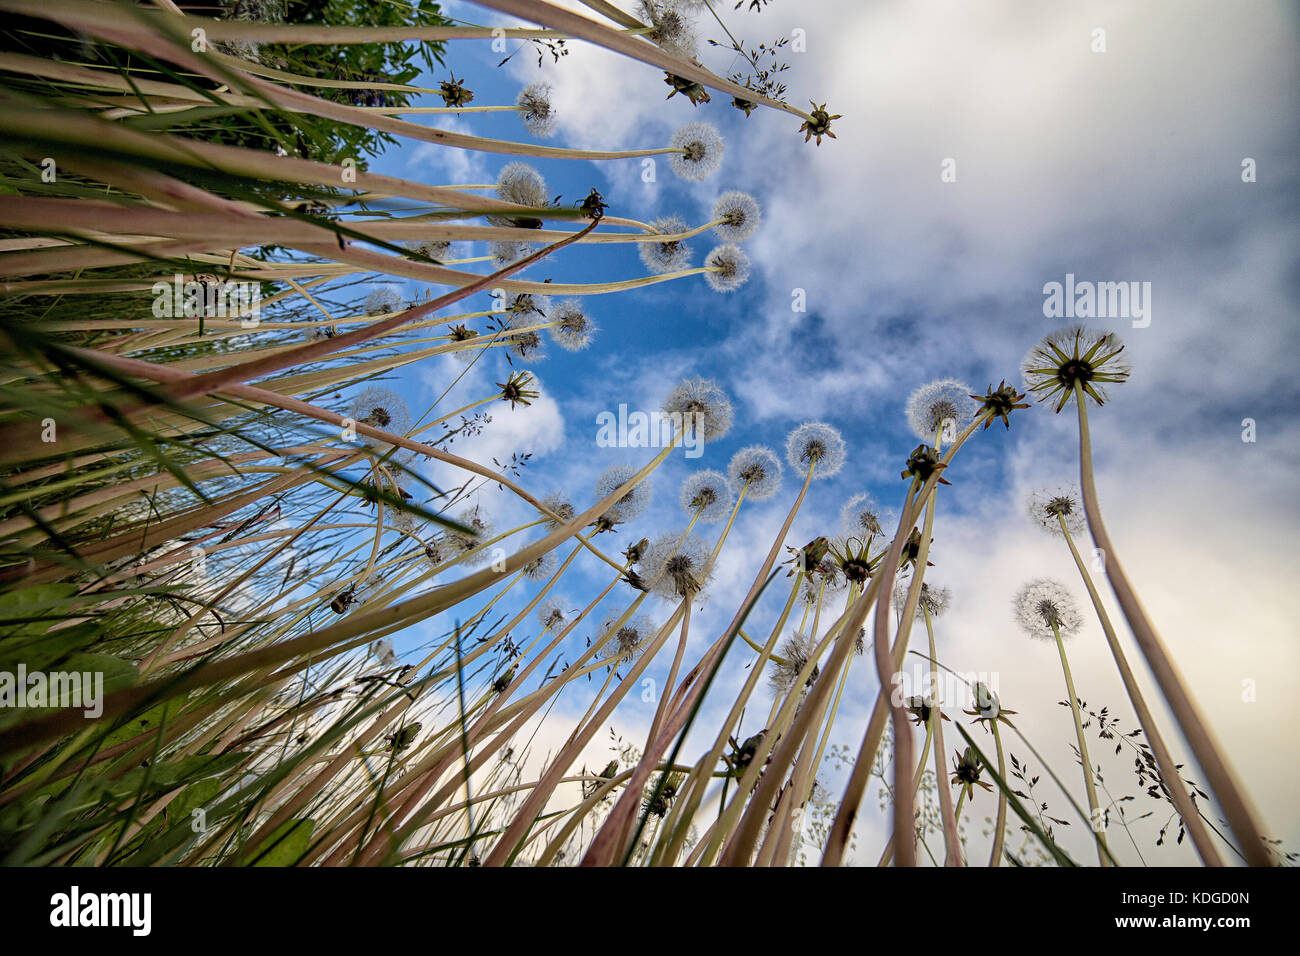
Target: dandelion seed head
[(1045, 506), (676, 565), (383, 299), (704, 408), (458, 543), (702, 151), (740, 216), (561, 507), (795, 651), (439, 249), (575, 328), (932, 599), (540, 568), (728, 268), (815, 443), (933, 406), (633, 502), (861, 516), (1044, 602), (381, 408), (551, 615), (505, 252), (672, 29), (383, 649), (708, 492), (523, 185), (757, 469), (631, 638), (1075, 354), (664, 257), (535, 108)]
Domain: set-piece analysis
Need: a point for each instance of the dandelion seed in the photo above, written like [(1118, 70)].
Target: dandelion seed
[(942, 407), (459, 543), (728, 268), (815, 443), (795, 651), (575, 328), (506, 252), (439, 249), (1045, 506), (861, 516), (519, 183), (756, 469), (934, 600), (664, 257), (701, 155), (631, 504), (383, 300), (383, 649), (707, 493), (1075, 355), (676, 565), (551, 615), (1042, 603), (739, 215), (534, 105), (628, 642), (540, 568), (703, 406), (671, 28), (381, 408), (560, 507)]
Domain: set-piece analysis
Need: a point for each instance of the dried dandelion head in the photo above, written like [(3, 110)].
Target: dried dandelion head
[(701, 151), (631, 504), (815, 444), (933, 600), (551, 615), (506, 252), (707, 494), (437, 249), (534, 104), (703, 407), (519, 183), (1048, 509), (671, 27), (460, 543), (1044, 606), (756, 469), (940, 408), (738, 216), (575, 328), (728, 268), (383, 300), (676, 565), (672, 255), (540, 568), (861, 516), (795, 652), (1075, 355), (381, 408), (559, 506), (629, 640)]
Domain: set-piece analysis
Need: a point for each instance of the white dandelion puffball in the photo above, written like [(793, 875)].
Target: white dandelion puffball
[(707, 493), (701, 151), (704, 408), (632, 503), (535, 108), (941, 407), (672, 255), (738, 216), (756, 469), (728, 268), (815, 443), (676, 565), (1044, 602)]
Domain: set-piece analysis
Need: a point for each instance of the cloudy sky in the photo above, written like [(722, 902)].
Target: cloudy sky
[(1122, 164)]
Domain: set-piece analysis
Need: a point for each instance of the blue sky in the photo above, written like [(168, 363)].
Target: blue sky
[(1114, 166)]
